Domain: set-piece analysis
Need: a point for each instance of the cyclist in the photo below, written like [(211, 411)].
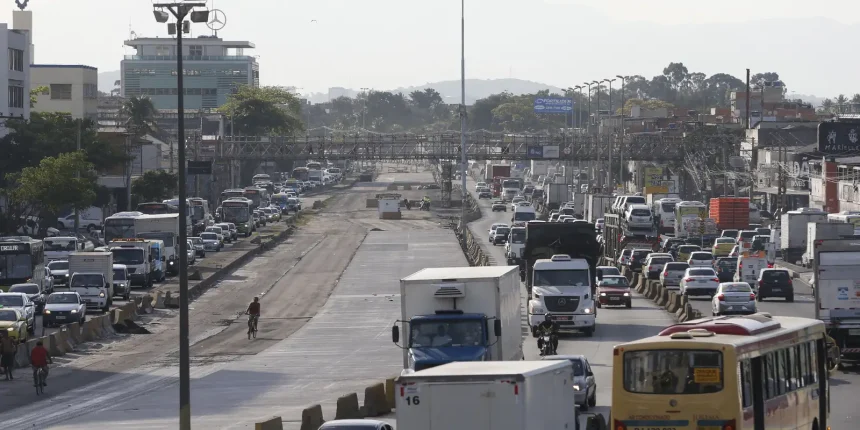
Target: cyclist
[(254, 312), (39, 359)]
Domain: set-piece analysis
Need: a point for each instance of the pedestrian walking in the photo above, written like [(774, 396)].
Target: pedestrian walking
[(8, 348)]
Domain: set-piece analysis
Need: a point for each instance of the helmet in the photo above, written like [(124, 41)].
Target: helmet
[(547, 317)]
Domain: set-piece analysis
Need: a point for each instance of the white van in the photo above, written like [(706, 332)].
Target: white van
[(523, 214), (664, 213), (750, 264), (639, 216)]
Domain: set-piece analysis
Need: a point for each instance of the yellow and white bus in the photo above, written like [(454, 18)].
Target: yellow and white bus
[(753, 372)]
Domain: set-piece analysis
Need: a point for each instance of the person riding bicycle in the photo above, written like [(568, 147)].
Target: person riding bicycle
[(254, 310), (39, 359), (550, 328)]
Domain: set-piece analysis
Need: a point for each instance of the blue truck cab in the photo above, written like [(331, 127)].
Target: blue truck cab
[(445, 337)]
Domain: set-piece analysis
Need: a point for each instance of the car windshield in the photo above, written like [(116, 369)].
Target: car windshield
[(737, 288), (87, 280), (8, 315), (686, 249), (59, 265), (446, 333), (638, 254), (209, 236), (640, 212), (747, 234), (730, 233), (12, 301), (673, 372), (701, 272), (607, 271), (60, 244), (774, 275), (677, 266), (547, 278), (524, 216), (26, 289), (661, 260), (701, 256), (119, 275), (614, 281), (635, 200), (502, 231), (578, 367), (727, 262), (62, 298)]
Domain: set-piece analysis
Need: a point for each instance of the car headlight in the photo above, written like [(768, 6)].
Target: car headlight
[(47, 311), (74, 311), (67, 275), (11, 329), (626, 294), (602, 294), (576, 387), (587, 310), (101, 294), (171, 262)]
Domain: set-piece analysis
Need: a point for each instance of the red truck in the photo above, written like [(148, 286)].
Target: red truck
[(494, 174), (730, 212)]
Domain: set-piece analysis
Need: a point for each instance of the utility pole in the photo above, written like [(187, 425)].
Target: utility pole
[(463, 158), (171, 156), (748, 102), (78, 175)]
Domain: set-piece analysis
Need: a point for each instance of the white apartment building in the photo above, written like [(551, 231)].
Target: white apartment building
[(71, 89), (15, 72)]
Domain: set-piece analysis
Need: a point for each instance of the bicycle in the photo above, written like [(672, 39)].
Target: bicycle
[(252, 326), (39, 380)]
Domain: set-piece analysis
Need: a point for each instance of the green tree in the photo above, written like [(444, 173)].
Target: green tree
[(35, 93), (140, 115), (263, 111), (425, 99), (155, 185), (54, 184)]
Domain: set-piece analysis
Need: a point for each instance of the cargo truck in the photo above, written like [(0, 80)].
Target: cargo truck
[(165, 228), (504, 395), (91, 276), (596, 205), (539, 167), (816, 231), (793, 232), (137, 257), (554, 196), (497, 171), (459, 314), (730, 213), (836, 269), (558, 268)]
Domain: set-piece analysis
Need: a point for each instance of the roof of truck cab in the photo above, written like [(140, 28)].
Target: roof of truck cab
[(489, 368), (460, 273)]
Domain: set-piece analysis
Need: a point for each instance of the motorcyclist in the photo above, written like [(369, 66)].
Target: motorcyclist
[(550, 328)]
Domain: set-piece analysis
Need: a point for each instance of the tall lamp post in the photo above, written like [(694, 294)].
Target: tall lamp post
[(609, 181), (588, 84), (463, 159), (621, 168), (180, 11), (579, 111), (597, 137)]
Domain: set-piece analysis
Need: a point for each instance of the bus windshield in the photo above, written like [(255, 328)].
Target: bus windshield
[(673, 372), (119, 228), (236, 214)]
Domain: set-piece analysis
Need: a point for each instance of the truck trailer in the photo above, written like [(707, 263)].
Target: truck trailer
[(459, 314), (794, 230), (836, 269)]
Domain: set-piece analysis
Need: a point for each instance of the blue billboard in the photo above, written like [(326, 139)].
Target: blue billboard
[(553, 105)]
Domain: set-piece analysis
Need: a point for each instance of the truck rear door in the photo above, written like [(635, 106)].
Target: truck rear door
[(485, 405)]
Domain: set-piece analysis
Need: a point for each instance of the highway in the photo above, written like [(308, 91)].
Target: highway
[(328, 298)]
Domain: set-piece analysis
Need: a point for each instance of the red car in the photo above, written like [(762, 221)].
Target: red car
[(613, 290)]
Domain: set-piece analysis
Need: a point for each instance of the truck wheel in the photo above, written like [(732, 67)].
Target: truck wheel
[(589, 332)]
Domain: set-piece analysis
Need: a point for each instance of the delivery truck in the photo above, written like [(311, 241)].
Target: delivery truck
[(459, 314), (91, 276), (730, 213), (502, 395), (596, 205), (836, 269), (793, 231), (165, 228), (496, 171), (816, 231), (555, 195)]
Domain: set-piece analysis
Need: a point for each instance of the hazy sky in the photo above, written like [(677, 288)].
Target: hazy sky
[(385, 44)]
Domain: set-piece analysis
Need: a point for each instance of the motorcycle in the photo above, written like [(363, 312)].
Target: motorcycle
[(834, 354), (545, 345), (425, 206)]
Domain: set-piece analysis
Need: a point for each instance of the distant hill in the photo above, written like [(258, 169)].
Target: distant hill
[(450, 90), (106, 80)]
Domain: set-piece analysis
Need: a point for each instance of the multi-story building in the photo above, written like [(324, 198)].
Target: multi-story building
[(15, 72), (213, 68), (72, 89)]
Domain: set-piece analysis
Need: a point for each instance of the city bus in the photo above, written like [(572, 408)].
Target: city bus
[(190, 228), (300, 173), (752, 372), (238, 212), (261, 177), (232, 193), (155, 208), (314, 165), (120, 225), (22, 260), (846, 219), (255, 194)]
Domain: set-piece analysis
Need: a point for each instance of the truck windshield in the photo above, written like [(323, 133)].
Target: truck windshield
[(560, 278), (127, 256), (446, 333), (669, 208), (87, 280), (167, 237), (518, 235), (524, 216)]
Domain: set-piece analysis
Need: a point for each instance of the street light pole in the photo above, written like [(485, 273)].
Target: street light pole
[(609, 180), (597, 136), (623, 134), (463, 159), (180, 11)]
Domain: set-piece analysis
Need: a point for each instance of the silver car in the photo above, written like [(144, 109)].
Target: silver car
[(699, 281), (701, 259), (21, 303), (583, 380), (211, 242), (654, 264), (672, 274), (733, 298)]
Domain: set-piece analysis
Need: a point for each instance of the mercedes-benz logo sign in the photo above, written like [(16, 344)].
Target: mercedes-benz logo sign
[(562, 302), (22, 4), (217, 19)]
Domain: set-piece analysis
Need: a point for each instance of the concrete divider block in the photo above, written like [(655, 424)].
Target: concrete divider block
[(130, 309), (274, 423), (636, 279), (389, 392), (69, 341), (75, 332), (158, 300), (146, 304), (22, 354), (671, 304), (54, 347), (312, 418), (107, 325), (347, 407), (687, 313), (664, 296), (375, 402)]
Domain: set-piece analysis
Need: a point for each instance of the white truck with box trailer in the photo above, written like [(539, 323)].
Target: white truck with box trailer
[(836, 271), (794, 230), (91, 276), (595, 206), (165, 228), (459, 314), (822, 231), (502, 395)]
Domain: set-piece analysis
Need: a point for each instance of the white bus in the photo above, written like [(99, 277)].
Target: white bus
[(262, 177), (685, 212), (846, 219), (120, 225)]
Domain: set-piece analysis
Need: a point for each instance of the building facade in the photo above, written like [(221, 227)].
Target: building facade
[(71, 89), (15, 72), (213, 69)]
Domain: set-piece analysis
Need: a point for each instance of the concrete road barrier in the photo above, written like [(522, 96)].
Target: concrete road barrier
[(625, 272), (664, 295), (69, 341), (54, 347), (75, 332), (107, 325), (389, 392), (312, 418), (347, 407), (158, 300), (674, 302), (274, 423), (687, 313), (595, 422), (375, 402), (146, 304), (22, 355), (371, 204)]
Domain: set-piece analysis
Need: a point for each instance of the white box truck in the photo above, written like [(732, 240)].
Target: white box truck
[(793, 231), (539, 167), (502, 395), (837, 293), (165, 228), (136, 255), (459, 314), (823, 231), (91, 276), (595, 206)]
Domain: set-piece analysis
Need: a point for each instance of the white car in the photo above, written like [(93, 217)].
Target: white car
[(480, 185), (624, 257), (516, 201), (701, 259), (492, 231), (654, 263), (699, 281), (21, 303)]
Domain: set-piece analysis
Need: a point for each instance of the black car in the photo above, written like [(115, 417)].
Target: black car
[(775, 283), (638, 258), (501, 235), (726, 268), (670, 243), (485, 194), (32, 291)]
